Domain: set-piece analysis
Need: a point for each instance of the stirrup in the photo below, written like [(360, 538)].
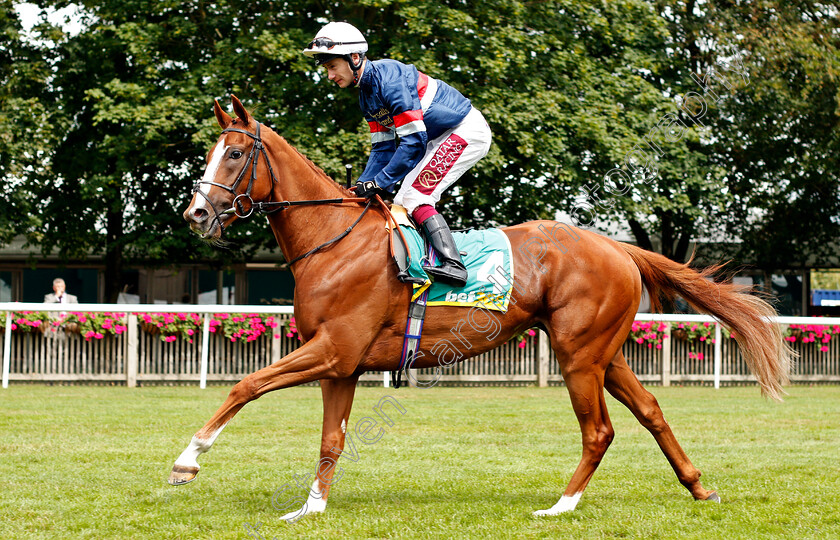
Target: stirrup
[(443, 274)]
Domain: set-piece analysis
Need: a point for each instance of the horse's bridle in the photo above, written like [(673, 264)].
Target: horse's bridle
[(269, 207), (237, 206)]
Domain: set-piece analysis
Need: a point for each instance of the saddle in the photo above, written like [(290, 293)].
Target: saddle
[(399, 244), (487, 256)]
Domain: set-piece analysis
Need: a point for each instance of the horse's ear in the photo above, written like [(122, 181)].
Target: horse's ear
[(222, 117), (239, 109)]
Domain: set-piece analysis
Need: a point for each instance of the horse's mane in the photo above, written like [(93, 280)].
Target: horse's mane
[(316, 169)]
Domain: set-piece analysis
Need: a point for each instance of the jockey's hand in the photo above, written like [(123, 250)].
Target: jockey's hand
[(368, 189)]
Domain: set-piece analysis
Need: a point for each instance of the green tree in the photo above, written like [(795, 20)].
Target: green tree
[(25, 134), (105, 131), (779, 138)]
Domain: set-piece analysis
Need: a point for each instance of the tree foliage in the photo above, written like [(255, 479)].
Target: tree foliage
[(104, 132)]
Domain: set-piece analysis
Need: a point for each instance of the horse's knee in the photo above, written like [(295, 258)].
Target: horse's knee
[(651, 417), (243, 391), (332, 445), (599, 441)]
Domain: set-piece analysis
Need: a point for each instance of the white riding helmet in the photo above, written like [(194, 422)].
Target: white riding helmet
[(336, 39)]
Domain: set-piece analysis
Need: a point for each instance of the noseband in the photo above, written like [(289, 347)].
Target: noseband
[(237, 207)]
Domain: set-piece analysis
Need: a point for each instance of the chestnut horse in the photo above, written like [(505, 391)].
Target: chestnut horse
[(582, 288)]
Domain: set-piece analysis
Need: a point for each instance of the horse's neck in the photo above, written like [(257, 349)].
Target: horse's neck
[(299, 229)]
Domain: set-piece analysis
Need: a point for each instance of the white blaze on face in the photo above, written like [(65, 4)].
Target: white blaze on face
[(210, 172)]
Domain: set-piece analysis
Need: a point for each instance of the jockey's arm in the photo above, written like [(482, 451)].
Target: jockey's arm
[(388, 163)]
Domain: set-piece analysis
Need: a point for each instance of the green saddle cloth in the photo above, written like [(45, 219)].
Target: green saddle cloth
[(489, 267)]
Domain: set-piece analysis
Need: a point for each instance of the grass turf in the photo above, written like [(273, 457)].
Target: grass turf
[(92, 462)]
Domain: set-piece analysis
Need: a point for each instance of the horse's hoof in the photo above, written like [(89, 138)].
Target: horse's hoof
[(714, 497), (182, 474)]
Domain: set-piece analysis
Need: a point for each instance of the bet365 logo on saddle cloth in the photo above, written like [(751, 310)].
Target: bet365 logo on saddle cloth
[(489, 270)]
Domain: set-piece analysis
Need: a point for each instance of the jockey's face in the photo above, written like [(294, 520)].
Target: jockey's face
[(339, 72)]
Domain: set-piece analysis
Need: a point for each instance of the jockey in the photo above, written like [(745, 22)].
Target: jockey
[(441, 135)]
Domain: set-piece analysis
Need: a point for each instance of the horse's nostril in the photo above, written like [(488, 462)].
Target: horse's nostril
[(199, 214)]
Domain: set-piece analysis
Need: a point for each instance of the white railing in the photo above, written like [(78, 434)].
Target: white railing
[(509, 364), (132, 310)]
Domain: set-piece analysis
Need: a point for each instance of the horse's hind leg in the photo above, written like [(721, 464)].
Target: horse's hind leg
[(586, 390), (621, 382)]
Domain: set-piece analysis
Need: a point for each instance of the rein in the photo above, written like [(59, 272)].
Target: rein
[(270, 207)]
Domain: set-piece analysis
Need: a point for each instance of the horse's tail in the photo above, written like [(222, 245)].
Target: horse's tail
[(766, 353)]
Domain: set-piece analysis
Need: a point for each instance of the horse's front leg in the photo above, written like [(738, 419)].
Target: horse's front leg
[(338, 400), (314, 360)]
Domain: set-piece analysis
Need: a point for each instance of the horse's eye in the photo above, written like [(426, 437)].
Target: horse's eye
[(236, 154)]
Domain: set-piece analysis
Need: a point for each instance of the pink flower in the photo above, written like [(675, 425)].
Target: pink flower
[(98, 335), (170, 339), (190, 331), (290, 334), (82, 318), (89, 334), (532, 333), (658, 346), (824, 348), (521, 345), (640, 340)]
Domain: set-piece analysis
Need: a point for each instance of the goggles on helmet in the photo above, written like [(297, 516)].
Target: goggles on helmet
[(329, 44)]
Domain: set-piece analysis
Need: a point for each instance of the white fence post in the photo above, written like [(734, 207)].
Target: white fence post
[(7, 349), (718, 354), (666, 356), (133, 353), (205, 350), (543, 357)]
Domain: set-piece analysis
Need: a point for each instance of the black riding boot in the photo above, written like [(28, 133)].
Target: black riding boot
[(451, 270)]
